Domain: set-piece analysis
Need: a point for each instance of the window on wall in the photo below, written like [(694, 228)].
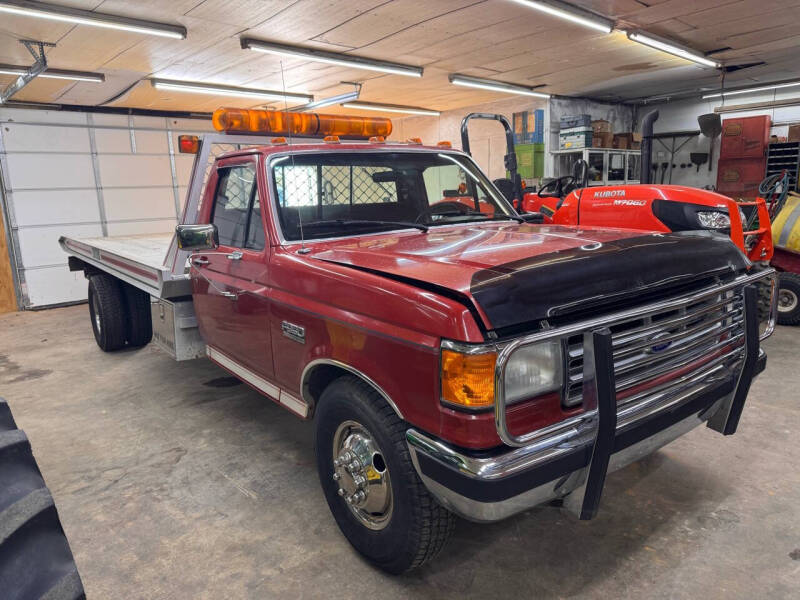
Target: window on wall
[(237, 210)]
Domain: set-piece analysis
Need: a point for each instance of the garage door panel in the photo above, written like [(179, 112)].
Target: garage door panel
[(42, 116), (50, 171), (39, 245), (152, 142), (137, 227), (45, 138), (112, 140), (134, 171), (183, 168), (48, 207), (55, 285), (126, 204)]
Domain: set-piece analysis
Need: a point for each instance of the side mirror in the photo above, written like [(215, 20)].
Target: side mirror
[(197, 237)]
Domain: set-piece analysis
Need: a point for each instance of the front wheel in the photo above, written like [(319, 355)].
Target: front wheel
[(789, 299), (369, 481)]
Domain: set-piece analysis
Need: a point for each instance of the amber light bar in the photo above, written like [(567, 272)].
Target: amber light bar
[(275, 122)]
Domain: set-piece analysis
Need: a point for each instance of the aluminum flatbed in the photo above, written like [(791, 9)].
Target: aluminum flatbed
[(141, 260)]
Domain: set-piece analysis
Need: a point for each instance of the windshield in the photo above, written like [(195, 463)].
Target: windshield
[(333, 194)]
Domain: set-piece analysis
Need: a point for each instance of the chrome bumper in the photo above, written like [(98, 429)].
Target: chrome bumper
[(571, 459)]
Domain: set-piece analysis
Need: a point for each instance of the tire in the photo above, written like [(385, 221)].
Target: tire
[(35, 558), (139, 324), (107, 310), (789, 299), (414, 527)]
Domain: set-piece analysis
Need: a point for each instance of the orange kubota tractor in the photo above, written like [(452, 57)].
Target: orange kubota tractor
[(569, 200)]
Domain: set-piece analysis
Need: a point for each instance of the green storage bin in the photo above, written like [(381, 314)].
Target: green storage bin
[(530, 160)]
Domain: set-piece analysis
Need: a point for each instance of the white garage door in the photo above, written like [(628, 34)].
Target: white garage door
[(85, 174)]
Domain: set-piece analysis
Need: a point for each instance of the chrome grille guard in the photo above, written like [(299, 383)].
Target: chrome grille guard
[(655, 396), (602, 415)]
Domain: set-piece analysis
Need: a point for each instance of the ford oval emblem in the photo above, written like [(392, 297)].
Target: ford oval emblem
[(659, 346)]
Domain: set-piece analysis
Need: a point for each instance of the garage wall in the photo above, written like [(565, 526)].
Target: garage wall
[(85, 175), (487, 138), (682, 116)]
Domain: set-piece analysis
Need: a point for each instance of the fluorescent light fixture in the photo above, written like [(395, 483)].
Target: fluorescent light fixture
[(333, 58), (764, 88), (55, 74), (671, 48), (341, 98), (570, 13), (495, 86), (392, 108), (226, 90), (66, 14)]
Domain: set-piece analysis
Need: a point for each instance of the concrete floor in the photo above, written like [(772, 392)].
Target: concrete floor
[(173, 483)]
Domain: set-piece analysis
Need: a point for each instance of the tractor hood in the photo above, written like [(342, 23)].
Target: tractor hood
[(516, 274)]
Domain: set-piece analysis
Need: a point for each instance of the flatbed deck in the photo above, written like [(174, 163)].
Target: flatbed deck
[(136, 259)]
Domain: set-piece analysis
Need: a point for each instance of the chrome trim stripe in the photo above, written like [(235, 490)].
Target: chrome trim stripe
[(270, 389), (329, 361)]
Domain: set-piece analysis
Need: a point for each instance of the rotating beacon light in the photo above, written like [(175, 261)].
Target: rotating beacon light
[(274, 122)]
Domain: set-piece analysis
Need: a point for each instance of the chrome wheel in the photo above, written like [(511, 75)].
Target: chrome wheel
[(787, 300), (361, 473)]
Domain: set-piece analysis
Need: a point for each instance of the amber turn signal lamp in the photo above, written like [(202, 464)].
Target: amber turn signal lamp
[(415, 140), (188, 144), (444, 144), (468, 379), (377, 139), (276, 122), (278, 141), (331, 139)]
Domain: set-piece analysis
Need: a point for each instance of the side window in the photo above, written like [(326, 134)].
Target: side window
[(237, 211)]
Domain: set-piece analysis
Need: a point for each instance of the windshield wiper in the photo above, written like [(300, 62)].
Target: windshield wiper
[(362, 223)]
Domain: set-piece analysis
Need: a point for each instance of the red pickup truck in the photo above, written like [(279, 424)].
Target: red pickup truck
[(454, 358)]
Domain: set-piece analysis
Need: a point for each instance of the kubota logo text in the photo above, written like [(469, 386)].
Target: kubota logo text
[(610, 194)]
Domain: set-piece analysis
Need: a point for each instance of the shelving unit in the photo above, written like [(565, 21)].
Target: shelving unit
[(784, 156), (607, 166)]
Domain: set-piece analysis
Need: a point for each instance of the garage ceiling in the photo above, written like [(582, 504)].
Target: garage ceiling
[(496, 39)]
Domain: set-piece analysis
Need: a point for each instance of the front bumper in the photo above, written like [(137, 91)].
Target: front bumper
[(571, 460)]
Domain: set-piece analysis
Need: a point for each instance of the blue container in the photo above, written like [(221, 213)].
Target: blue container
[(571, 121)]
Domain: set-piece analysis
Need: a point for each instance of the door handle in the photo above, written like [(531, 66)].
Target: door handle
[(229, 295), (235, 255), (200, 260)]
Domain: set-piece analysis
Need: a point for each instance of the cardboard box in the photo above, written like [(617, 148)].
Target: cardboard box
[(623, 141), (604, 139), (601, 126), (794, 133)]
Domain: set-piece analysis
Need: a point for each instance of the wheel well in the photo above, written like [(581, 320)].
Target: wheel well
[(320, 376)]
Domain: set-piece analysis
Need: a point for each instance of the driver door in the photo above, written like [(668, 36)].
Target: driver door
[(230, 284)]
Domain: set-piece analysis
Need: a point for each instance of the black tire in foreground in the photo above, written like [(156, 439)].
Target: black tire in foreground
[(139, 323), (35, 558), (107, 310), (788, 299), (370, 483)]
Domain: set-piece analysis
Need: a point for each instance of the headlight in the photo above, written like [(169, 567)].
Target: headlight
[(713, 219), (533, 370)]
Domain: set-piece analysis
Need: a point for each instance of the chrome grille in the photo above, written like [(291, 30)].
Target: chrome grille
[(664, 344)]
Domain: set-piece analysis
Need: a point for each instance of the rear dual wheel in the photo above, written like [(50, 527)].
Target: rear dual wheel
[(119, 312), (369, 481)]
